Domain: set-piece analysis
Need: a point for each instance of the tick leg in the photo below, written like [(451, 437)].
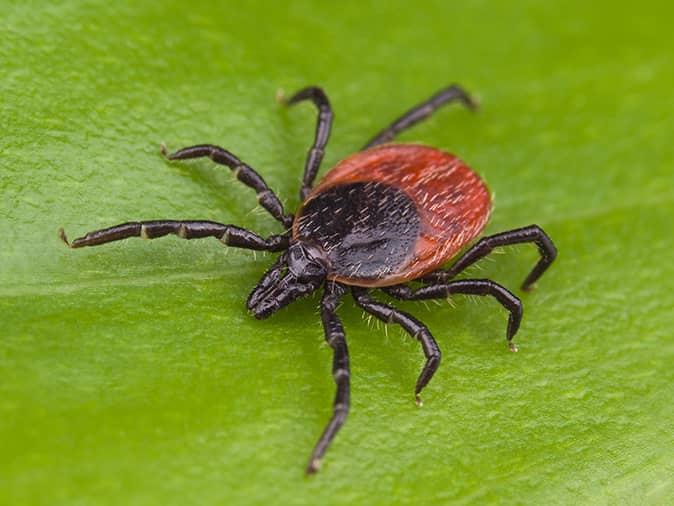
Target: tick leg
[(412, 326), (228, 234), (323, 126), (532, 233), (422, 111), (244, 173), (468, 287), (334, 335)]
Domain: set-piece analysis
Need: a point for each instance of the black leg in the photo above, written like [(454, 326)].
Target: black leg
[(422, 111), (412, 326), (468, 287), (532, 233), (334, 335), (228, 234), (244, 173), (323, 126)]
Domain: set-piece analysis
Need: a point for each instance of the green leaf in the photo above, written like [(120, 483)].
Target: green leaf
[(132, 374)]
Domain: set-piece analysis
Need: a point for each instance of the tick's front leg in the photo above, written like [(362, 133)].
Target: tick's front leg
[(323, 126), (244, 173)]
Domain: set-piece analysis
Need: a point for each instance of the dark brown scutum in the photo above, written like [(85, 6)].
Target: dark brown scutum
[(367, 230)]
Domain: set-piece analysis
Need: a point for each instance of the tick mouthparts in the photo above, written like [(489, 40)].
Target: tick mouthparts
[(267, 301), (259, 295), (288, 289)]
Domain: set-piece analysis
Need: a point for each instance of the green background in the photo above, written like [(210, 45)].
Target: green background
[(131, 373)]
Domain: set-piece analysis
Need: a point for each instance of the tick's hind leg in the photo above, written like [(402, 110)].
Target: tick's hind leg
[(412, 326), (228, 234), (244, 173), (420, 112), (532, 233), (334, 335), (468, 287), (323, 126)]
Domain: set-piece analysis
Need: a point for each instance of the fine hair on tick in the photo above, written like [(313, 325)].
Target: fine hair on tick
[(382, 218)]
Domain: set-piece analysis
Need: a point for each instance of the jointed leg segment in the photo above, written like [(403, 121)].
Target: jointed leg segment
[(532, 233), (412, 326), (469, 287), (323, 126), (421, 111), (334, 335), (244, 173), (228, 234)]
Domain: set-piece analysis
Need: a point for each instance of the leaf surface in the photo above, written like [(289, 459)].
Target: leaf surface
[(131, 373)]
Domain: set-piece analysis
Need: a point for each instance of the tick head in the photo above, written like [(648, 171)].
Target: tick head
[(306, 263), (297, 272)]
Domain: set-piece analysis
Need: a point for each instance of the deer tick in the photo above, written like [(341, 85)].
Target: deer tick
[(386, 216)]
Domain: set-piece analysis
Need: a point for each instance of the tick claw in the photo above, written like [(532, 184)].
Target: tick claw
[(281, 96), (64, 237), (513, 347), (163, 150), (313, 466), (417, 399)]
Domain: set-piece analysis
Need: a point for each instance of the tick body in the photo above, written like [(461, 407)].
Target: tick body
[(393, 213), (384, 217)]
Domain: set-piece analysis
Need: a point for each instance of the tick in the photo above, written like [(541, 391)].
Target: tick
[(386, 216)]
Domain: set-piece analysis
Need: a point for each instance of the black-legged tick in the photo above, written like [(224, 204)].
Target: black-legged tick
[(385, 216)]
